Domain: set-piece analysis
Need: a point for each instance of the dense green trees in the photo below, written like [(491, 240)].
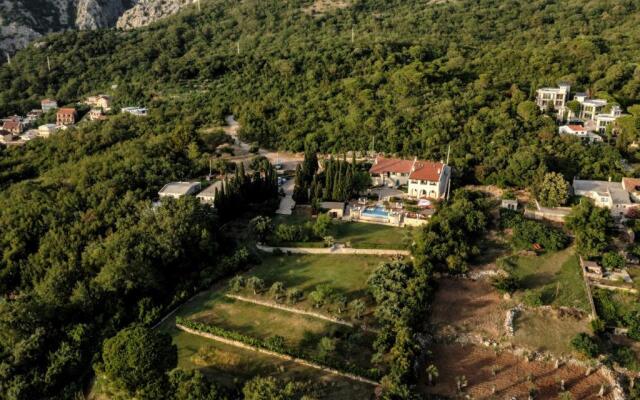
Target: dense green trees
[(138, 360), (448, 240), (589, 224), (553, 191)]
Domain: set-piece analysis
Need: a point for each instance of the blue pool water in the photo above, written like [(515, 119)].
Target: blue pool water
[(375, 212)]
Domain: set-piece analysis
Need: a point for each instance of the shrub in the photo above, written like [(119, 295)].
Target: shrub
[(613, 260), (585, 344), (321, 226), (256, 284), (506, 283), (294, 295), (321, 295), (277, 291), (237, 283), (532, 298)]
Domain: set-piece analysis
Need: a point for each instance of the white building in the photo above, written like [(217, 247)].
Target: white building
[(425, 179), (605, 194), (179, 189), (208, 195), (47, 130), (580, 132), (604, 120), (553, 98), (589, 108), (137, 111), (48, 104)]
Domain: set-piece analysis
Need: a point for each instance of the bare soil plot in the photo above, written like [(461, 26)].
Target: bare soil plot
[(469, 306), (511, 375), (320, 7)]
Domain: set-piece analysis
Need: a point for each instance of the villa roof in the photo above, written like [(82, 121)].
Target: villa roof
[(178, 188), (427, 171), (577, 128), (66, 111), (394, 165), (613, 189), (11, 124)]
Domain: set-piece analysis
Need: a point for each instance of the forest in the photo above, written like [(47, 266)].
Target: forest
[(79, 239)]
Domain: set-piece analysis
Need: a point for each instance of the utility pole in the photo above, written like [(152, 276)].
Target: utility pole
[(238, 47), (8, 58), (198, 5), (353, 35), (48, 64)]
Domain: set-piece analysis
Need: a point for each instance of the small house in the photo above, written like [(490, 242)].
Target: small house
[(179, 189), (48, 105), (509, 204), (13, 126), (137, 111), (96, 114), (592, 268), (47, 130), (66, 116), (208, 195), (101, 101), (335, 209)]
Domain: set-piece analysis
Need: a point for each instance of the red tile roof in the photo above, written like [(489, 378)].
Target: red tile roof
[(631, 184), (418, 169), (393, 165), (427, 171), (66, 111), (11, 124), (577, 128)]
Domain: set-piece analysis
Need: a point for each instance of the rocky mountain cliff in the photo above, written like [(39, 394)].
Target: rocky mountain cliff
[(148, 11), (22, 21)]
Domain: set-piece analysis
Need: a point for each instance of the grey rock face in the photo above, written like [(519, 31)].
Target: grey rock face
[(148, 11)]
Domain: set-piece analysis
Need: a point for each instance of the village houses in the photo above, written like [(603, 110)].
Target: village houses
[(48, 105), (13, 126), (424, 179), (66, 116), (100, 101)]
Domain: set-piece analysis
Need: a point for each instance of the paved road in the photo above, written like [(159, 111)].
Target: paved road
[(287, 203)]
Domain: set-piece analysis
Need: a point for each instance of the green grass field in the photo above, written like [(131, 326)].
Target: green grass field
[(229, 365), (556, 276), (346, 274), (358, 235)]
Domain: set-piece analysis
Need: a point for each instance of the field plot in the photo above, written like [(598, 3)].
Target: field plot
[(554, 278), (359, 235), (310, 337), (511, 376), (227, 365), (469, 305), (547, 330)]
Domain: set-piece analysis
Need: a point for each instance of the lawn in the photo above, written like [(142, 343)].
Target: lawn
[(346, 274), (543, 330), (226, 364), (555, 276), (359, 235)]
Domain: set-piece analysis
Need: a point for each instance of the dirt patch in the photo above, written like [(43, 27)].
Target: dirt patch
[(511, 376), (467, 306), (320, 7)]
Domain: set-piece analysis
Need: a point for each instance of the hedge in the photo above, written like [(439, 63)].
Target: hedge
[(279, 347)]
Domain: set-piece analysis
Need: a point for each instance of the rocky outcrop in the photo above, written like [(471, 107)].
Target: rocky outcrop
[(94, 14), (24, 21), (148, 11)]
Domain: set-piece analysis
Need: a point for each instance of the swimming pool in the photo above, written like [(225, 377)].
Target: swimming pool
[(375, 212)]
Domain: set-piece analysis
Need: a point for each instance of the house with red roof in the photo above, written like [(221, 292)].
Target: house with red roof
[(424, 179), (66, 116), (580, 132), (13, 126)]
